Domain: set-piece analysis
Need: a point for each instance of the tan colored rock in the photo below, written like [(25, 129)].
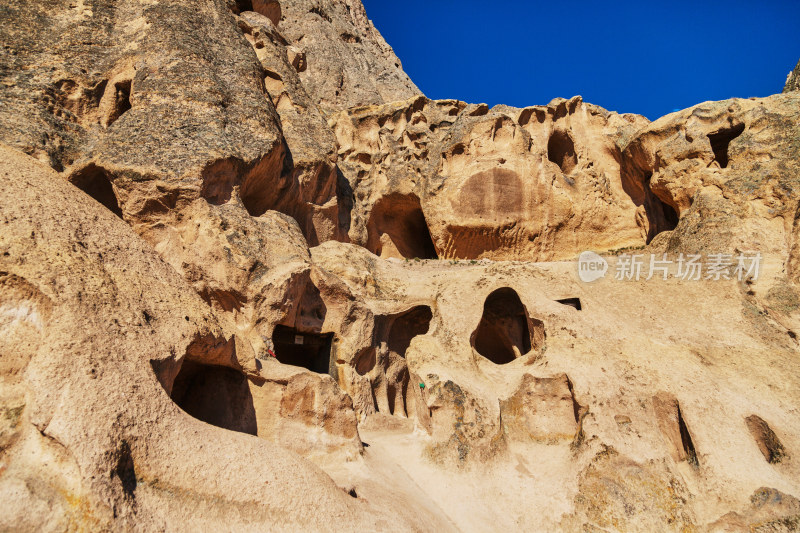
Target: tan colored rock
[(617, 350), (769, 443), (307, 189), (90, 438), (618, 493), (304, 412), (542, 409), (444, 179), (726, 170), (180, 372), (769, 510), (673, 426), (793, 79), (348, 61)]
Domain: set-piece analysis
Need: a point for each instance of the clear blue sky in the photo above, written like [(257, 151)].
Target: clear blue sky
[(649, 57)]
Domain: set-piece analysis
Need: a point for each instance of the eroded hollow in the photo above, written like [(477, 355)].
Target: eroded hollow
[(95, 181), (385, 365), (125, 470), (686, 441), (121, 102), (660, 215), (721, 139), (397, 228), (561, 151), (406, 326), (505, 331), (217, 395), (769, 444), (670, 420), (307, 350), (657, 215), (571, 302)]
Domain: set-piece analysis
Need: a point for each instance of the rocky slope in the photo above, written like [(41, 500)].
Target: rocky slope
[(252, 279)]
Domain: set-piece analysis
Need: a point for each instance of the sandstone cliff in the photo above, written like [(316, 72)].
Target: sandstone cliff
[(793, 80), (252, 279)]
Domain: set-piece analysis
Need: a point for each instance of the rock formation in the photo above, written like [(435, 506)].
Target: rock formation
[(793, 80), (252, 279)]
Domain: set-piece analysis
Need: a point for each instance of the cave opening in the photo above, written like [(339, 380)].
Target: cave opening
[(561, 151), (504, 332), (397, 228), (308, 350), (415, 321), (571, 302), (217, 395), (660, 215), (95, 181), (721, 139)]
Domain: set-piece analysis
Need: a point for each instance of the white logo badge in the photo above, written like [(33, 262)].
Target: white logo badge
[(591, 267)]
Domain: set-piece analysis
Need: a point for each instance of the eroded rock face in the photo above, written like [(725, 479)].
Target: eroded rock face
[(723, 168), (728, 172), (616, 492), (537, 183), (166, 117), (347, 62), (542, 409), (90, 438), (793, 80), (768, 509), (177, 310)]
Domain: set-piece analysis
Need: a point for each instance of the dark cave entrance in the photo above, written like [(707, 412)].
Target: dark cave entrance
[(504, 332), (95, 182), (720, 141), (308, 350), (217, 395), (561, 151), (661, 216), (571, 302), (397, 228), (122, 101), (415, 321)]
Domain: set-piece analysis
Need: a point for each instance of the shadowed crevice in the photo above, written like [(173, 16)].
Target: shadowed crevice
[(721, 139)]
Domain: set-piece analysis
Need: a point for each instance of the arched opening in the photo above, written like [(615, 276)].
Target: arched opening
[(403, 328), (720, 141), (217, 395), (505, 331), (397, 228), (561, 151), (385, 364), (95, 181), (307, 350)]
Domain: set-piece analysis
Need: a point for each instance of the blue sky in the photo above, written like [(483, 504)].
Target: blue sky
[(648, 57)]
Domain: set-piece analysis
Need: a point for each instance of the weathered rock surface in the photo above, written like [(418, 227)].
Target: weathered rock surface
[(251, 246), (347, 62), (451, 180), (196, 149), (793, 80), (729, 171), (90, 439)]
